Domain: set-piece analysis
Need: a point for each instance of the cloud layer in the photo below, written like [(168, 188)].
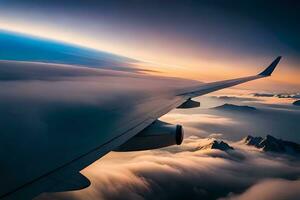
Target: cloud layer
[(276, 189), (180, 172)]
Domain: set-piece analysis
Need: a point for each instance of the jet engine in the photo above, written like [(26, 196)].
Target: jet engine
[(157, 135)]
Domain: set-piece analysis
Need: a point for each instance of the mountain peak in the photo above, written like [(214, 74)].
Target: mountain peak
[(253, 141), (272, 144), (270, 137), (215, 144)]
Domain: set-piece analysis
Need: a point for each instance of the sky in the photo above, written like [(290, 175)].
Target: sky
[(202, 40)]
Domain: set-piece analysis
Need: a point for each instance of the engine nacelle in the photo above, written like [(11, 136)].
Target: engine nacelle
[(159, 134)]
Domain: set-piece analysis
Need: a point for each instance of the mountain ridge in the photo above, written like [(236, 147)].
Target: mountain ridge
[(215, 144), (233, 107), (272, 144)]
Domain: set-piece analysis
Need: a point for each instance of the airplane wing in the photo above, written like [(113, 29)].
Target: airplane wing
[(58, 119), (211, 87)]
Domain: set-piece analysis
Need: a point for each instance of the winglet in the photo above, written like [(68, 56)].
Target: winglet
[(268, 71)]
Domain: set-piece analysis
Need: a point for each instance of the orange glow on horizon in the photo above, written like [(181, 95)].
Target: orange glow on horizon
[(164, 61)]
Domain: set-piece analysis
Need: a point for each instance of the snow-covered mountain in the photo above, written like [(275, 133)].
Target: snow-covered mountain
[(215, 144), (272, 144)]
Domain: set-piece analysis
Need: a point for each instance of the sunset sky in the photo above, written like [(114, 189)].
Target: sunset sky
[(202, 41), (80, 80)]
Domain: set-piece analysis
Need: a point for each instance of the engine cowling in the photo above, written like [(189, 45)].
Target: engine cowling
[(159, 134)]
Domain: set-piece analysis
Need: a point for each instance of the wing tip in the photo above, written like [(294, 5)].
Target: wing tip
[(268, 71)]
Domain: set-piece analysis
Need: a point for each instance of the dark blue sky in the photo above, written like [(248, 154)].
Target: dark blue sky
[(184, 18)]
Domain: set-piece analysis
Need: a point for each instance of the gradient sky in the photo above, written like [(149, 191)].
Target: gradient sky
[(204, 40)]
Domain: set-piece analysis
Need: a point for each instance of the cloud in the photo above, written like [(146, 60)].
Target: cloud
[(275, 189), (196, 118), (215, 135), (233, 125), (200, 124), (235, 98), (179, 172)]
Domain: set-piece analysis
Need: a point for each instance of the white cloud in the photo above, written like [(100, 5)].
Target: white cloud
[(177, 173)]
